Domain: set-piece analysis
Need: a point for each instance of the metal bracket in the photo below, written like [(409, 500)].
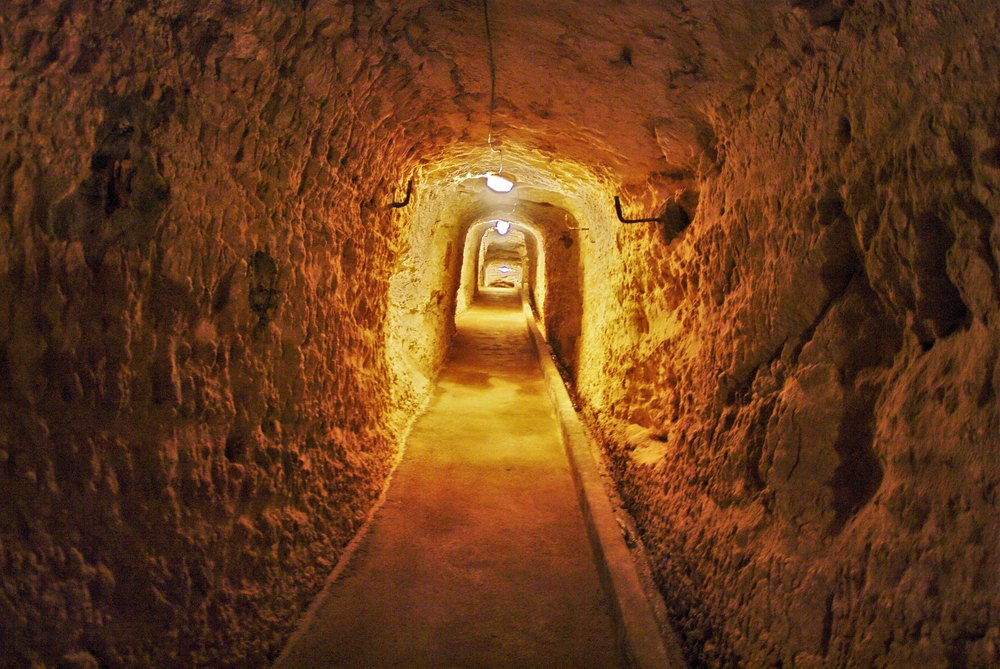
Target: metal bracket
[(618, 210), (406, 200)]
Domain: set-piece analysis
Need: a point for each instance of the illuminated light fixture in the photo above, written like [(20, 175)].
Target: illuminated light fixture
[(503, 227), (494, 181), (504, 269), (499, 184)]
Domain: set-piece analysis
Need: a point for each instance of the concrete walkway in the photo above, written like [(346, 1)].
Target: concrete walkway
[(479, 557)]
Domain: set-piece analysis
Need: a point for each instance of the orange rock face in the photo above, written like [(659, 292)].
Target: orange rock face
[(817, 361), (193, 275), (214, 331)]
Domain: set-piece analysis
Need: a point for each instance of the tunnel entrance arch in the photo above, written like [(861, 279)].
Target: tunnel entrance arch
[(503, 257), (436, 276), (485, 252), (552, 275)]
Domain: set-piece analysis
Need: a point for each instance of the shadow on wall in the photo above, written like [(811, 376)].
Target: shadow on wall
[(561, 311)]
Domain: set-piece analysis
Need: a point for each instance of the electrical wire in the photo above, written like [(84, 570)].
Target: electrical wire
[(493, 79)]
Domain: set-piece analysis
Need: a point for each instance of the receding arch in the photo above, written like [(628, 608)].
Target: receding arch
[(555, 274), (471, 261)]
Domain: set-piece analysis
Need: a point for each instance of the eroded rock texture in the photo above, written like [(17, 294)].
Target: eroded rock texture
[(213, 329), (193, 394), (807, 430)]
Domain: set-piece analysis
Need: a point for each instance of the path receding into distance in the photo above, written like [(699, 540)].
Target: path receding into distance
[(479, 556)]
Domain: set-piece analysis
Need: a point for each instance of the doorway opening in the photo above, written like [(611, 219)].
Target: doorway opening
[(500, 254), (502, 257)]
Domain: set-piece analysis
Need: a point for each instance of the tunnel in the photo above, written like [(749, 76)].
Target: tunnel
[(496, 333)]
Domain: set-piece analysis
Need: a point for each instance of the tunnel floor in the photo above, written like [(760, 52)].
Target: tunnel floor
[(479, 556)]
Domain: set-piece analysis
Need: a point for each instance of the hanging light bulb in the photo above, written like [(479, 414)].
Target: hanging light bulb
[(503, 227), (499, 184), (494, 181)]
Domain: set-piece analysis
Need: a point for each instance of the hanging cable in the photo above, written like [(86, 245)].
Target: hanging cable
[(493, 79)]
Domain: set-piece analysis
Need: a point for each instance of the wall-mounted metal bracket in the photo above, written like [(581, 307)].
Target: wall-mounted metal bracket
[(406, 200), (618, 210)]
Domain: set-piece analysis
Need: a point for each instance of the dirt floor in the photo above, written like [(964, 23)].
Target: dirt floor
[(479, 557)]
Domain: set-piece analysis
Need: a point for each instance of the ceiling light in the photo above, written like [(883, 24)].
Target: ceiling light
[(499, 184), (504, 269), (503, 227)]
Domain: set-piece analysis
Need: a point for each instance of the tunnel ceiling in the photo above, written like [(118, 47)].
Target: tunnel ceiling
[(509, 247), (215, 332), (625, 90)]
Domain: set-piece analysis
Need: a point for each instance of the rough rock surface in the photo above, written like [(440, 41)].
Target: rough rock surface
[(807, 426), (193, 281), (213, 331)]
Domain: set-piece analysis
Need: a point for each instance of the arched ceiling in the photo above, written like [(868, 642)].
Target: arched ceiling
[(510, 247), (584, 91)]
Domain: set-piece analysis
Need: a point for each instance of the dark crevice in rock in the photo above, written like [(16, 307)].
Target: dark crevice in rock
[(824, 13), (839, 284), (124, 196), (827, 626), (830, 207), (938, 304), (236, 447), (755, 449), (264, 296), (673, 222), (625, 57), (223, 290), (859, 473), (844, 132)]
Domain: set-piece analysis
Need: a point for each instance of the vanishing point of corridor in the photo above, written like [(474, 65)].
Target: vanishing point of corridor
[(479, 556), (761, 239)]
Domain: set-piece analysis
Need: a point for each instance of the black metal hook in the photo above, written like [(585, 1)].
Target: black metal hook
[(406, 200), (618, 210)]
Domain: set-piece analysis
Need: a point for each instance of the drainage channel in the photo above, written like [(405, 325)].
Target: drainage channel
[(648, 642)]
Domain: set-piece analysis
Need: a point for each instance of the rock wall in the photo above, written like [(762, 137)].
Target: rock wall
[(802, 413), (194, 263), (423, 296), (203, 357), (562, 306)]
